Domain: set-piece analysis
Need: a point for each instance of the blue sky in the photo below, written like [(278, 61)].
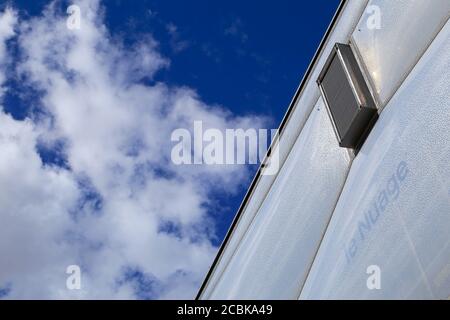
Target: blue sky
[(227, 63), (248, 58)]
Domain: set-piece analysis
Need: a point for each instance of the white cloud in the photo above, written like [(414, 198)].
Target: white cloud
[(7, 23), (235, 29), (8, 20), (111, 211), (176, 43)]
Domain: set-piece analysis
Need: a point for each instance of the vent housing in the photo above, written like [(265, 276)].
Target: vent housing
[(349, 102)]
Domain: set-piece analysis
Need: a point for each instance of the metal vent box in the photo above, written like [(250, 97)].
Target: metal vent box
[(348, 99)]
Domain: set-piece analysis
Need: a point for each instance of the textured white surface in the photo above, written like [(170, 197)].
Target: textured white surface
[(303, 107), (410, 240), (407, 28), (276, 253)]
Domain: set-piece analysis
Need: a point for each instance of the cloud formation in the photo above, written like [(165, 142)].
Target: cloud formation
[(106, 197)]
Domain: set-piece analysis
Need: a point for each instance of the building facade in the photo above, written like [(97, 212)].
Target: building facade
[(339, 223)]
